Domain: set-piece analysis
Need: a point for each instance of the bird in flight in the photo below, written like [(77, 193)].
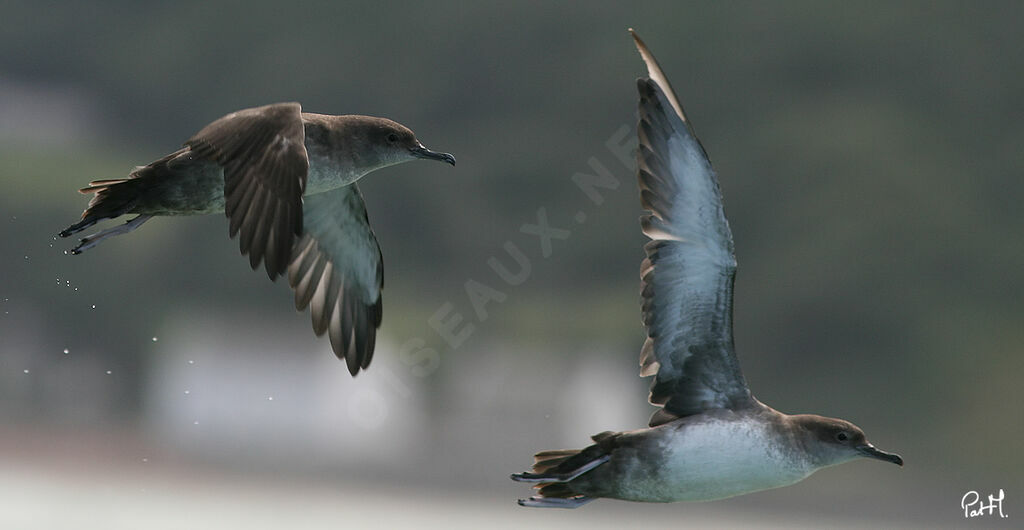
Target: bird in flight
[(287, 181), (710, 438)]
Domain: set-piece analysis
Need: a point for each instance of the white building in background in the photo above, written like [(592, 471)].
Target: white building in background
[(246, 390), (245, 387)]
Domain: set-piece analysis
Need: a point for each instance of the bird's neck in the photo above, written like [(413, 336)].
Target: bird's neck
[(333, 162)]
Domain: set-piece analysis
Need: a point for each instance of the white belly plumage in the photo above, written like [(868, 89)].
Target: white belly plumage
[(325, 175), (711, 460)]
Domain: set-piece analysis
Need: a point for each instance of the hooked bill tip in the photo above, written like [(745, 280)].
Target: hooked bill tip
[(423, 152), (873, 452)]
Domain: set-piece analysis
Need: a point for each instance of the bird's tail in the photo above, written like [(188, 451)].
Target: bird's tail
[(554, 471), (116, 197), (113, 198)]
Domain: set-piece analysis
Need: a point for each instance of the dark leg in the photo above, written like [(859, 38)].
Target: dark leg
[(554, 502), (560, 477), (88, 242), (79, 226)]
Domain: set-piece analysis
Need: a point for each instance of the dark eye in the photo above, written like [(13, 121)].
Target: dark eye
[(392, 138), (842, 436)]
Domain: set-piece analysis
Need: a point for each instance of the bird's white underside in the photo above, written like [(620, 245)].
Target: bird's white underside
[(714, 460)]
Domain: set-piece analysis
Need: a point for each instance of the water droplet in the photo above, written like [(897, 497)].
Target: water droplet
[(270, 398), (195, 422), (144, 460), (66, 351), (94, 306), (154, 339), (109, 372), (187, 392), (190, 361), (25, 370)]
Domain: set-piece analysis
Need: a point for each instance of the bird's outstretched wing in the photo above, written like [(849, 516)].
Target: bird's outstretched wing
[(337, 271), (263, 154), (687, 276)]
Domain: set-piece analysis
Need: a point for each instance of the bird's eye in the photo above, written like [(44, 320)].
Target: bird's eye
[(392, 138), (842, 436)]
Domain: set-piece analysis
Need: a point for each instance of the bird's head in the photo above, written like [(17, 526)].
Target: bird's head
[(391, 143), (834, 441)]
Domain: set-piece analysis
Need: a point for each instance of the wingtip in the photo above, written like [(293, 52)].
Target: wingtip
[(638, 41), (653, 69), (655, 73)]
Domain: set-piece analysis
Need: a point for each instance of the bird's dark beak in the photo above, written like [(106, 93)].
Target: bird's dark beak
[(422, 152), (872, 452)]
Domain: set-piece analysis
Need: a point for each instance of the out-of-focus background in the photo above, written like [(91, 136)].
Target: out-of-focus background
[(871, 160)]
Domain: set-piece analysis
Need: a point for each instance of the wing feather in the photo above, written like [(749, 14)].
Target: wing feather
[(687, 275), (263, 154), (337, 272)]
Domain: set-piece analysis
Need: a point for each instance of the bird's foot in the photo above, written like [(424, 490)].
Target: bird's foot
[(90, 241), (559, 477), (555, 502)]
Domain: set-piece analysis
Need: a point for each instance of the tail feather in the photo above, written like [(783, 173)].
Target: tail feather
[(546, 461), (113, 198), (557, 490), (97, 184), (116, 197), (555, 472), (563, 461)]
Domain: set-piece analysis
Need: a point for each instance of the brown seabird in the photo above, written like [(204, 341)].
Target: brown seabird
[(711, 439), (287, 181)]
